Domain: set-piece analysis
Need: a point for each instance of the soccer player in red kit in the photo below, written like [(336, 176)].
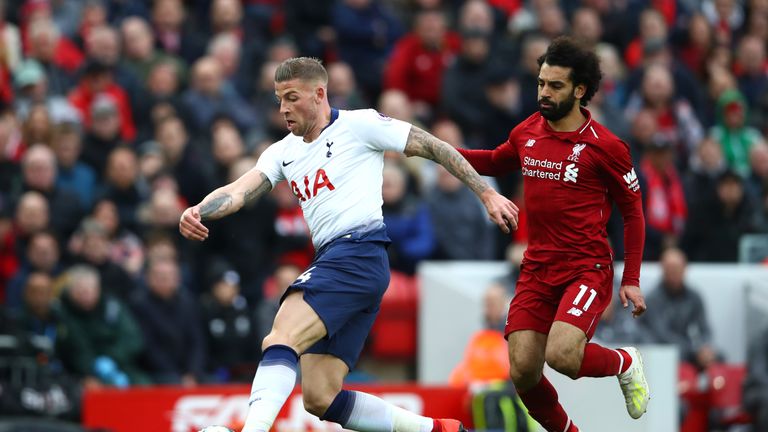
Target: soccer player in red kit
[(573, 170)]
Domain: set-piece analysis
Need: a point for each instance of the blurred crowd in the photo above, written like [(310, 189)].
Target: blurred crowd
[(116, 115)]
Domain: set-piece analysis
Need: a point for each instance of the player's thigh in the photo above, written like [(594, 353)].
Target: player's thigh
[(565, 345), (322, 377), (296, 324), (586, 296), (526, 353)]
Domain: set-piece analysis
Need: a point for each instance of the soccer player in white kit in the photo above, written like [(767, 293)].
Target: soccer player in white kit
[(333, 161)]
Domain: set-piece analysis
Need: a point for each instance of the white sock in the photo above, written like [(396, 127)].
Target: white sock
[(373, 414), (273, 383)]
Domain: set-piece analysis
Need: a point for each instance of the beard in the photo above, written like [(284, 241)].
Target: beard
[(558, 110)]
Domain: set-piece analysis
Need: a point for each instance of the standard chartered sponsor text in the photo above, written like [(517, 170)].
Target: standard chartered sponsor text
[(529, 162)]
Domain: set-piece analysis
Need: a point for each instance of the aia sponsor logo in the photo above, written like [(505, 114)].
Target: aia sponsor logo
[(311, 189)]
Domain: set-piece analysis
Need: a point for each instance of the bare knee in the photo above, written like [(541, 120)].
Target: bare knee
[(317, 402), (564, 358), (525, 370)]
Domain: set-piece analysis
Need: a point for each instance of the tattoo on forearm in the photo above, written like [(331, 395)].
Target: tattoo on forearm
[(263, 187), (421, 143), (216, 207)]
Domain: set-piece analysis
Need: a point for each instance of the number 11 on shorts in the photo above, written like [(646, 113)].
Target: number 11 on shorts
[(582, 290)]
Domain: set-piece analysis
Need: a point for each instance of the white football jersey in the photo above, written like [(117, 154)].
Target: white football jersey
[(338, 176)]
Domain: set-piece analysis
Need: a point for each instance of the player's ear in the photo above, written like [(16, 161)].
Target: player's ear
[(579, 91), (320, 93)]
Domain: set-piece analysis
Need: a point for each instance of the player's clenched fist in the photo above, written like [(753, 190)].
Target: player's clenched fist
[(190, 225), (502, 211)]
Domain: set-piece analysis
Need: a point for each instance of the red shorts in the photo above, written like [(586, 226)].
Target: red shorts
[(546, 293)]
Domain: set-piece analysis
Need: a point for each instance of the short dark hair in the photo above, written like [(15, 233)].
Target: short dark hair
[(302, 68), (565, 51)]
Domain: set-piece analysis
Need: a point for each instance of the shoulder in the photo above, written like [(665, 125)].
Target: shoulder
[(351, 117), (604, 139), (532, 123)]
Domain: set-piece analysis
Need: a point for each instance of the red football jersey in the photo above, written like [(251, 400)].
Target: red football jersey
[(570, 181)]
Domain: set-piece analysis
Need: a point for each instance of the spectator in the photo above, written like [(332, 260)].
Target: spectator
[(40, 313), (210, 95), (95, 251), (121, 185), (419, 59), (485, 356), (60, 58), (39, 174), (750, 68), (43, 255), (460, 98), (237, 60), (228, 148), (665, 208), (676, 313), (732, 132), (226, 23), (102, 44), (72, 174), (342, 88), (182, 159), (308, 22), (230, 330), (587, 27), (699, 42), (32, 214), (97, 83), (366, 33), (533, 47), (32, 84), (139, 49), (9, 39), (37, 128), (103, 136), (173, 35), (713, 231), (706, 168), (171, 325), (675, 117), (461, 227), (99, 340), (653, 31), (408, 221)]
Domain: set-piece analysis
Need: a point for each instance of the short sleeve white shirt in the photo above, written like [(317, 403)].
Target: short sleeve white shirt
[(338, 176)]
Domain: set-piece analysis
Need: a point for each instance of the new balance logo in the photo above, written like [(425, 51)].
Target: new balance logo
[(575, 311), (530, 143), (571, 173), (631, 180)]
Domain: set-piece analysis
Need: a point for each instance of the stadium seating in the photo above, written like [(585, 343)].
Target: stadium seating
[(393, 336)]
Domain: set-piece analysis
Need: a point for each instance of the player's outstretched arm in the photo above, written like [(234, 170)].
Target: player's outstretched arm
[(222, 202), (501, 210)]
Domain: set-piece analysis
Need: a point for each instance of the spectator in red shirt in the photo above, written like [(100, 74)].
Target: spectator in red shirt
[(98, 79), (420, 58)]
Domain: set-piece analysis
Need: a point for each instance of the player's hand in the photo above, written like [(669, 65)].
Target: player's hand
[(190, 225), (502, 211), (631, 293)]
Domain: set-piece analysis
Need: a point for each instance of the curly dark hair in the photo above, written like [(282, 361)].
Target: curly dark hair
[(564, 51)]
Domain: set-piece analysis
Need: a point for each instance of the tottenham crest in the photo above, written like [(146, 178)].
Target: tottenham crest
[(577, 148)]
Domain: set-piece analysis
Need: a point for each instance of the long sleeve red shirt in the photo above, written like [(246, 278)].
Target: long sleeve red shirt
[(570, 181)]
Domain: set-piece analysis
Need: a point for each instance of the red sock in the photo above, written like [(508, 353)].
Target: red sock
[(601, 362), (542, 404)]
